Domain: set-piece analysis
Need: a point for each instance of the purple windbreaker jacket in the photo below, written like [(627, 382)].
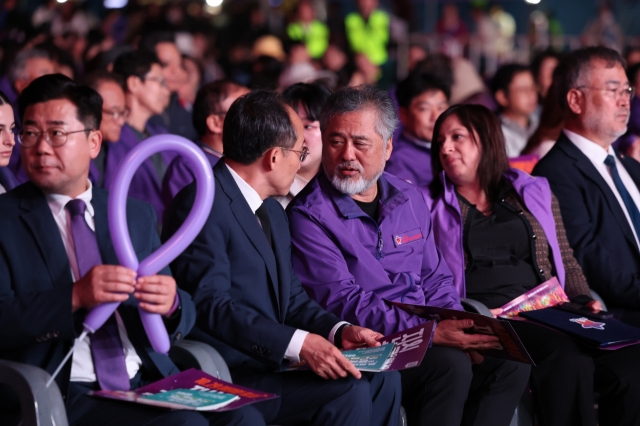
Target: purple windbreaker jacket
[(145, 184), (348, 263), (410, 162)]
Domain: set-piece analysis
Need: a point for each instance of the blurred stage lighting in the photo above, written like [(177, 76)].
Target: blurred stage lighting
[(115, 4), (62, 1), (532, 1), (214, 3)]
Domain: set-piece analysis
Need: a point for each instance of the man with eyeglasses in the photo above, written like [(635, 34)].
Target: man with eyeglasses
[(146, 95), (209, 109), (114, 115), (175, 117), (57, 262), (596, 186), (251, 306)]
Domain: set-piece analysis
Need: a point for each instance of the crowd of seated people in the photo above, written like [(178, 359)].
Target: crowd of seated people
[(316, 185)]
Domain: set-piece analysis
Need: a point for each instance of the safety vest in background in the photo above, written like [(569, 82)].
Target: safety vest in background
[(315, 36), (369, 38)]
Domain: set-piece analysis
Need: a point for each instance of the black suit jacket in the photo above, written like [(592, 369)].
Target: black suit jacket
[(37, 326), (598, 231), (249, 300)]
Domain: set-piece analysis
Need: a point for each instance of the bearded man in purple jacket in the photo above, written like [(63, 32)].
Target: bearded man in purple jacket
[(360, 235)]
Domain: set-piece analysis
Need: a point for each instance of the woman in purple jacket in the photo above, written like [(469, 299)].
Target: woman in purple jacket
[(500, 231)]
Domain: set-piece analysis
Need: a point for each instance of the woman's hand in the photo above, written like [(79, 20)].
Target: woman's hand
[(595, 306), (496, 312)]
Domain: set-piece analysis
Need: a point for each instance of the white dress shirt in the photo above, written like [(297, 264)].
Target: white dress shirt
[(597, 154), (82, 365), (298, 185), (253, 199), (2, 189)]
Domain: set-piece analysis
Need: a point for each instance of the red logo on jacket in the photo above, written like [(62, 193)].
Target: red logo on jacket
[(408, 237)]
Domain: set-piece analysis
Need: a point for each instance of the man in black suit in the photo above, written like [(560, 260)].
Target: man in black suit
[(596, 186), (57, 262), (250, 305)]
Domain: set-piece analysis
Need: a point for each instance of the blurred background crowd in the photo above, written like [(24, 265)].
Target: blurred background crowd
[(501, 54)]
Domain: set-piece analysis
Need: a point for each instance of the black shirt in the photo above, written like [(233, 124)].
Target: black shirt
[(500, 254), (370, 208)]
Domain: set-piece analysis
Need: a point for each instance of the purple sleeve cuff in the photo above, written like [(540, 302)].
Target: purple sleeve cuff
[(176, 304)]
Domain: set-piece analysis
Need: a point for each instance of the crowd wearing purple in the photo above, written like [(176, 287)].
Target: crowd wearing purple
[(411, 201)]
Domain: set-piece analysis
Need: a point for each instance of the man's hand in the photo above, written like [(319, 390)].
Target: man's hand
[(595, 306), (451, 333), (156, 293), (357, 337), (325, 359), (103, 283)]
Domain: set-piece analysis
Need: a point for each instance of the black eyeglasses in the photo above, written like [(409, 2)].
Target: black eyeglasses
[(615, 93), (303, 153), (54, 137)]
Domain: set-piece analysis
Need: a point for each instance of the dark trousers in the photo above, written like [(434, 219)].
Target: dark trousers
[(567, 373), (447, 390), (84, 410), (307, 399)]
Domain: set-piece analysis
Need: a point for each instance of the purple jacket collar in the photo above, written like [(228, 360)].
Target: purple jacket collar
[(390, 198), (534, 192), (7, 179)]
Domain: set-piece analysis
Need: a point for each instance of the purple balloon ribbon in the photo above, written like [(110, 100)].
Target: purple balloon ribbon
[(205, 187)]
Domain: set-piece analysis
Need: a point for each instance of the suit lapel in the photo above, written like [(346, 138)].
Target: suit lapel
[(248, 222), (589, 171), (38, 218)]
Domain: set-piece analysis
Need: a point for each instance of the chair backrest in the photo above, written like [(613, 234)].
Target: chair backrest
[(40, 406), (191, 354)]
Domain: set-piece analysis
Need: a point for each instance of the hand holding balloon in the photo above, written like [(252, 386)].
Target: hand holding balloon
[(154, 299), (103, 283), (156, 294), (105, 286)]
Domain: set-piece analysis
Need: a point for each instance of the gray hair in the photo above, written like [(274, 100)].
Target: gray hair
[(575, 65), (19, 64), (361, 98)]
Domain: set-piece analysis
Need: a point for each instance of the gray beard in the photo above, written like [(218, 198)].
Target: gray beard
[(350, 187)]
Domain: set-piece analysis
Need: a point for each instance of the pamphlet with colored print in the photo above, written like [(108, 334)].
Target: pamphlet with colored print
[(190, 390)]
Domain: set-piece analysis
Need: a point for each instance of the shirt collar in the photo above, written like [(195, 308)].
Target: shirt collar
[(594, 152), (416, 141), (298, 185), (250, 195), (57, 202), (210, 150), (512, 125)]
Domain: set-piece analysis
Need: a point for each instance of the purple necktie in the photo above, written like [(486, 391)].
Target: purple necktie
[(106, 346)]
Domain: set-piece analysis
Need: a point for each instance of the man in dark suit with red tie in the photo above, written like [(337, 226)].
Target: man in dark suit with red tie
[(57, 261)]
